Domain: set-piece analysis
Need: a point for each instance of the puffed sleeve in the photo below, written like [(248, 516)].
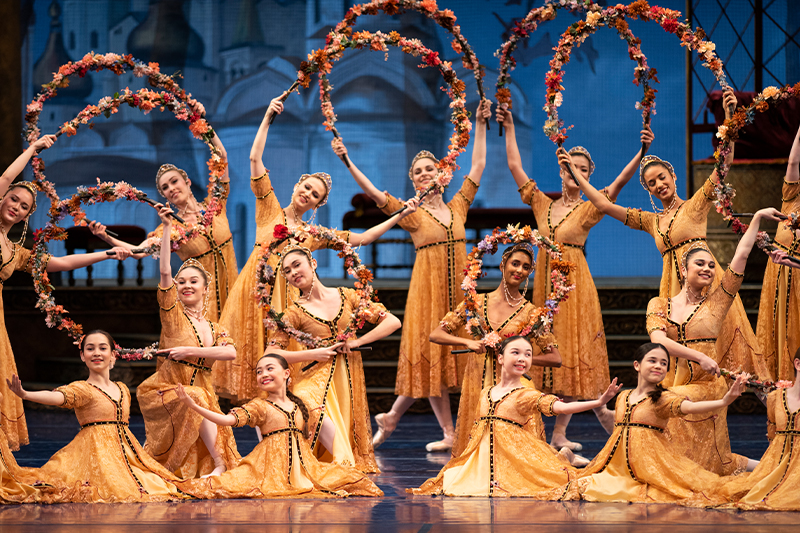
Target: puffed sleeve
[(222, 337), (24, 260), (528, 401), (731, 282), (279, 337), (343, 234), (410, 223), (454, 320), (590, 215), (790, 196), (374, 312), (76, 394), (546, 342), (669, 405), (253, 413), (464, 197), (167, 297), (641, 220), (535, 198), (773, 402), (657, 315), (701, 201)]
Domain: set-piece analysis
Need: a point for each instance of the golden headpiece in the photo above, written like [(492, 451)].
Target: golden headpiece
[(294, 246), (519, 247), (699, 245), (580, 150), (424, 154), (649, 160), (194, 263), (31, 187), (163, 169), (324, 178)]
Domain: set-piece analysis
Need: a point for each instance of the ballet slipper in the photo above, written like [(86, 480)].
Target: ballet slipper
[(219, 468), (444, 445), (385, 429), (560, 440), (578, 461)]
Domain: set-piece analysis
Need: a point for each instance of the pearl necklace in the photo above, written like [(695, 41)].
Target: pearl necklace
[(698, 299), (663, 212), (509, 298)]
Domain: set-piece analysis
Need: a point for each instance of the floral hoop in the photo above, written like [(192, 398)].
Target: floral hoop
[(522, 30), (445, 18), (575, 35), (266, 277), (320, 60), (54, 313), (728, 132), (541, 321), (173, 98)]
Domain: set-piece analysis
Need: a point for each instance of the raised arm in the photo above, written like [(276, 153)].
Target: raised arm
[(216, 141), (793, 168), (506, 120), (45, 397), (737, 388), (729, 102), (363, 181), (164, 265), (257, 167), (630, 169), (375, 232), (483, 114), (563, 408), (217, 418), (18, 165), (603, 204), (739, 261)]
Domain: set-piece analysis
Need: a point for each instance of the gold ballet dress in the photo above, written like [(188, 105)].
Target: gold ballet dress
[(172, 428), (214, 250), (736, 343), (775, 483), (336, 389), (583, 374), (424, 368), (507, 455), (483, 370), (104, 463), (778, 329), (242, 317), (282, 464), (702, 438), (639, 464)]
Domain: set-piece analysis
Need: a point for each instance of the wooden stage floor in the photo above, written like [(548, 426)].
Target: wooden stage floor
[(404, 463)]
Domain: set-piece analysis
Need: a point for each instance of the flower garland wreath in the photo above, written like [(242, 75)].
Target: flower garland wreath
[(319, 61), (541, 321), (728, 132), (522, 30), (54, 313), (445, 18), (761, 386), (266, 277)]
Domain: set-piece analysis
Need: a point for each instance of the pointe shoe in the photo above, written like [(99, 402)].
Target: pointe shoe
[(444, 445), (216, 472), (578, 461), (563, 442), (384, 430)]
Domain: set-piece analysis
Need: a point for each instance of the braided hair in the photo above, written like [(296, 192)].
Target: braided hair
[(639, 356), (297, 401)]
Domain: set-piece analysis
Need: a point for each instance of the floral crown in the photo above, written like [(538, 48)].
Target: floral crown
[(700, 245), (580, 150), (649, 160), (424, 154), (324, 178), (194, 263), (519, 247), (163, 169), (30, 187)]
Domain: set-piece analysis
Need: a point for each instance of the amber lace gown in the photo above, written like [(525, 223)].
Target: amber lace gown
[(12, 417), (242, 317), (214, 250), (774, 485), (172, 428), (13, 485), (282, 464), (578, 327), (507, 455), (702, 438), (336, 389), (483, 370), (104, 463), (778, 329), (639, 464), (736, 343), (424, 368)]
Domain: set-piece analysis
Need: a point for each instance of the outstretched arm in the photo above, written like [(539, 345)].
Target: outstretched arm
[(737, 388), (483, 114), (793, 168), (16, 168), (562, 408), (217, 353), (363, 181), (73, 261), (506, 120), (322, 355), (745, 245), (375, 232), (45, 397), (257, 167), (603, 204), (217, 418), (630, 169)]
